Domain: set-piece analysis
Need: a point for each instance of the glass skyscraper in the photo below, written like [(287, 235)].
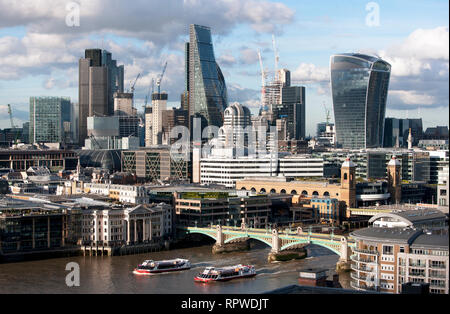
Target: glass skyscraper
[(359, 86), (205, 82), (47, 117)]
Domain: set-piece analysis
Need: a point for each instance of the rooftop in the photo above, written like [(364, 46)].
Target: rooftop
[(414, 237)]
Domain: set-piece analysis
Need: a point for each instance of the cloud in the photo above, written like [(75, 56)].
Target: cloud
[(159, 21), (420, 70), (246, 96)]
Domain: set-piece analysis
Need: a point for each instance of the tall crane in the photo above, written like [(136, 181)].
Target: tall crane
[(263, 79), (159, 79), (277, 57), (148, 94), (327, 114), (134, 84), (13, 127)]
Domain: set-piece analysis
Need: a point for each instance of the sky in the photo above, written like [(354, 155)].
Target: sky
[(41, 42)]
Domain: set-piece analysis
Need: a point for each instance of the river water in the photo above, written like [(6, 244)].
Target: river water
[(105, 274)]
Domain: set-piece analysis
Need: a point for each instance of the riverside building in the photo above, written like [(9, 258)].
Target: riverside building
[(386, 258)]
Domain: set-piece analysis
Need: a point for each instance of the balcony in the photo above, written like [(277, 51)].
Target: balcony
[(420, 265), (363, 269), (355, 258), (437, 275), (355, 276), (437, 266), (357, 286), (368, 252)]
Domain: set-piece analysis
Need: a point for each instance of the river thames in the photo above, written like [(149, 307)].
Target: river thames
[(105, 274)]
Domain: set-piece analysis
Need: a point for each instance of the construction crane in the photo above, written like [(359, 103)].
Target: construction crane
[(263, 79), (13, 127), (277, 57), (159, 79), (327, 114), (148, 94), (134, 84)]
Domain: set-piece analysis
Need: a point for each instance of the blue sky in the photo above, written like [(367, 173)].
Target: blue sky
[(39, 53)]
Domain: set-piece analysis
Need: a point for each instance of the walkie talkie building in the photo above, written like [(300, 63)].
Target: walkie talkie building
[(359, 85)]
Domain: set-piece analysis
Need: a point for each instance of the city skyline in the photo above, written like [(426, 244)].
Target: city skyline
[(40, 52)]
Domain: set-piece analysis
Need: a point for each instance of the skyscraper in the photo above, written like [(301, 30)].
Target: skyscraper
[(205, 82), (47, 117), (359, 86), (99, 79), (115, 78)]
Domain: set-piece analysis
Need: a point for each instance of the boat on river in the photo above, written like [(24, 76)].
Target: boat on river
[(149, 267), (211, 274)]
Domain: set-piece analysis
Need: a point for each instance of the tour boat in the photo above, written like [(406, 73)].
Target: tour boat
[(154, 267), (225, 273)]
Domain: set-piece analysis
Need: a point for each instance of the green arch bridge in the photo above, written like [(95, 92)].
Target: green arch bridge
[(278, 241)]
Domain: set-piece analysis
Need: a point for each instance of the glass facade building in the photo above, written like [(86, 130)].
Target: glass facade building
[(396, 132), (205, 82), (47, 117), (359, 86), (115, 78)]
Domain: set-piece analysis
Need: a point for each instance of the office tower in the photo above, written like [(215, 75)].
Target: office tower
[(396, 132), (47, 117), (237, 120), (205, 82), (123, 104), (115, 78), (292, 109), (359, 86), (159, 104), (321, 128), (148, 116), (171, 119), (284, 76), (92, 90)]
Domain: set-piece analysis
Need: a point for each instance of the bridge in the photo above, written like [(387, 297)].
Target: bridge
[(278, 241)]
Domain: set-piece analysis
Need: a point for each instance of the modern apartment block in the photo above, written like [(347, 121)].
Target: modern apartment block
[(359, 85), (48, 116), (386, 258)]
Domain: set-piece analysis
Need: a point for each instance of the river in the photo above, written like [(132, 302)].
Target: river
[(105, 274)]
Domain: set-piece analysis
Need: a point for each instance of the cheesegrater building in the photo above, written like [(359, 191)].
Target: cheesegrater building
[(359, 86)]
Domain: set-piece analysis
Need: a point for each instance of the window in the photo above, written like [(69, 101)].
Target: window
[(402, 249), (388, 250)]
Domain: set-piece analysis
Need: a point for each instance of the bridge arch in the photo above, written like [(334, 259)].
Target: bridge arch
[(269, 243), (319, 243), (206, 233)]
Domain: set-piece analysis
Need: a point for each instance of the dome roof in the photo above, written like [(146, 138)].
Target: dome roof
[(101, 158), (394, 161), (348, 163)]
